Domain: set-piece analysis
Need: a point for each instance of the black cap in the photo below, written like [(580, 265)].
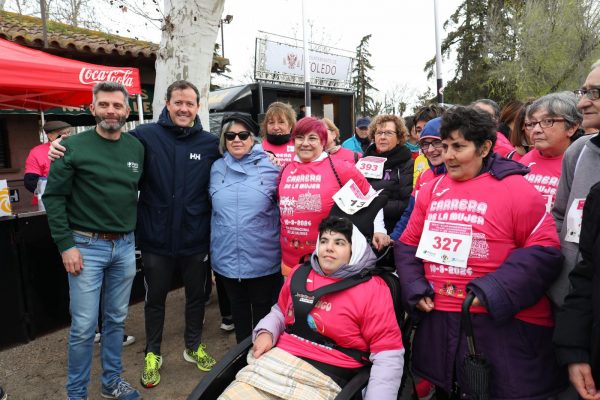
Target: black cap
[(243, 118)]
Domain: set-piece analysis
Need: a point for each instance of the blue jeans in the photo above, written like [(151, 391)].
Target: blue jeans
[(108, 265)]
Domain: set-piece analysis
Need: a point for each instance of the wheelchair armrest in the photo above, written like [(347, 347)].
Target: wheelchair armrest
[(356, 384), (223, 373)]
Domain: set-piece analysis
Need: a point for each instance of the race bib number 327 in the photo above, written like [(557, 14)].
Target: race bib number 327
[(446, 243)]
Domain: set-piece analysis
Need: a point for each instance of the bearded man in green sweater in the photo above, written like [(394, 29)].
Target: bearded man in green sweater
[(90, 200)]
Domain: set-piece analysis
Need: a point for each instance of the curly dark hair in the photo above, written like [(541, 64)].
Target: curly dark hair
[(473, 124)]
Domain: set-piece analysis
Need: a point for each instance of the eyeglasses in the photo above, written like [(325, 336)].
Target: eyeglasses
[(592, 94), (545, 123), (437, 144), (385, 133), (230, 136), (311, 139)]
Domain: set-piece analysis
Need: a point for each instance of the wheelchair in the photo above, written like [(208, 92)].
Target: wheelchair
[(223, 373)]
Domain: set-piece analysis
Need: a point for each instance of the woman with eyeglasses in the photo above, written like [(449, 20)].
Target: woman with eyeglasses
[(481, 228), (395, 172), (306, 190), (551, 123), (244, 245), (430, 143)]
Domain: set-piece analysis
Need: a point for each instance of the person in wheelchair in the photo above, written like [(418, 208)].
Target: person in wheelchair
[(333, 317)]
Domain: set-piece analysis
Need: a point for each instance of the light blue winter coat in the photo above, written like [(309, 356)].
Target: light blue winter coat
[(245, 216)]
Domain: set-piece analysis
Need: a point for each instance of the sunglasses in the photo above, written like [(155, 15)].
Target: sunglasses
[(230, 136)]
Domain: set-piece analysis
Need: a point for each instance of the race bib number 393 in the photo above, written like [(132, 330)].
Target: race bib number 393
[(371, 167), (446, 243)]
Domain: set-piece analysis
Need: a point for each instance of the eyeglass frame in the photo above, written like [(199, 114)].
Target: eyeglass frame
[(424, 146), (385, 133), (544, 121), (230, 138), (592, 94)]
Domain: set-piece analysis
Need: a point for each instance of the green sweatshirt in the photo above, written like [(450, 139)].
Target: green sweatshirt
[(94, 187)]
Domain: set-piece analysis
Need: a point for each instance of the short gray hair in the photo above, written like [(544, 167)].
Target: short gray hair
[(559, 104), (226, 128), (110, 87)]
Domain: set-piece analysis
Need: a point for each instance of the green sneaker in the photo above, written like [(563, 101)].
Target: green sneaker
[(201, 358), (150, 376)]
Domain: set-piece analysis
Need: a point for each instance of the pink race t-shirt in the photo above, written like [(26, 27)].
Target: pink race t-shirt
[(544, 175), (37, 161), (423, 179), (284, 152), (361, 317), (305, 198), (504, 215), (345, 154), (503, 145)]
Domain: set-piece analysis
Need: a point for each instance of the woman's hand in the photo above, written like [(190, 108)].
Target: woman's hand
[(274, 160), (56, 151), (425, 304), (262, 344), (580, 375), (380, 240)]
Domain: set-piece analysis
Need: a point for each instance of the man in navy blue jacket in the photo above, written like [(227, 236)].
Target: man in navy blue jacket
[(173, 229)]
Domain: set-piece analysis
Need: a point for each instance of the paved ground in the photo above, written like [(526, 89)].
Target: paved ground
[(37, 370)]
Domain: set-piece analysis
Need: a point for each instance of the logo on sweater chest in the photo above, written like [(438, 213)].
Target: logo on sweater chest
[(133, 166), (195, 156)]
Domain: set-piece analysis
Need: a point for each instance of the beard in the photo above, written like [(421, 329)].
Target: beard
[(111, 127)]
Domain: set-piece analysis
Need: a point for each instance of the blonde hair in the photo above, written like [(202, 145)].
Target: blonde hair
[(331, 126), (279, 109)]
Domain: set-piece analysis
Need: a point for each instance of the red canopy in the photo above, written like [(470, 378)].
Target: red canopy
[(32, 79)]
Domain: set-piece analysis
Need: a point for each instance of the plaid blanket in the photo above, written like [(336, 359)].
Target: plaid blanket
[(280, 375)]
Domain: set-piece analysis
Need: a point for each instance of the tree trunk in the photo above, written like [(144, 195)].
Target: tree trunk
[(186, 49)]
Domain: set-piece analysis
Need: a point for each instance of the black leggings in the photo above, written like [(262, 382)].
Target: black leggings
[(251, 299)]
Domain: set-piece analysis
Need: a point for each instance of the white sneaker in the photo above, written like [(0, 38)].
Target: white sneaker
[(227, 324), (97, 337)]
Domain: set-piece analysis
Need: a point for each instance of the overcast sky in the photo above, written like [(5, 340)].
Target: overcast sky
[(403, 34)]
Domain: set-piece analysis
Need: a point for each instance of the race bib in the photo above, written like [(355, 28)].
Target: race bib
[(445, 243), (371, 167), (350, 199), (574, 218)]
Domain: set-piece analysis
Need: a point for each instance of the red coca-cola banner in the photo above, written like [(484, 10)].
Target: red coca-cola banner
[(32, 79)]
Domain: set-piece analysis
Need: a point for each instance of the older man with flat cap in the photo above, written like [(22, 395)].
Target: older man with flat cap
[(37, 164)]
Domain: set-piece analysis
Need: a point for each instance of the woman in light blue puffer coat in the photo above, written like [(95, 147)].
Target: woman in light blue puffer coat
[(244, 248)]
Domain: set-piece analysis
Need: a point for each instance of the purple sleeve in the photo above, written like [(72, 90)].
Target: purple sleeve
[(410, 270), (386, 375), (519, 283), (273, 323)]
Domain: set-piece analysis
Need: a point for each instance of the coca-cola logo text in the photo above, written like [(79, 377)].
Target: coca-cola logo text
[(89, 76)]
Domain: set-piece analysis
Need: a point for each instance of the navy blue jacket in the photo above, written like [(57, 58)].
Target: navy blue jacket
[(174, 205)]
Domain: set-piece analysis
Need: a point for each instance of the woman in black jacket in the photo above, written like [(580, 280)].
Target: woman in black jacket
[(577, 333), (388, 134)]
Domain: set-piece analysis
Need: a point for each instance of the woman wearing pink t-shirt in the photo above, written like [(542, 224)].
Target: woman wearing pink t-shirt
[(277, 126), (481, 228), (552, 123), (316, 349), (306, 190)]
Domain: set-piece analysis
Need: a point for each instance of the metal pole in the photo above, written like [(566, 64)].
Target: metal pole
[(222, 41), (140, 108), (307, 102), (438, 54)]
